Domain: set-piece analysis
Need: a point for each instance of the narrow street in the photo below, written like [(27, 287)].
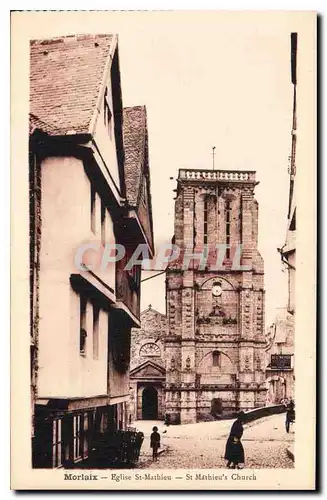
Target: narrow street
[(202, 445)]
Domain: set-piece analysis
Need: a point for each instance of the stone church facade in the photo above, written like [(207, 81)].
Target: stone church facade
[(215, 343), (148, 371)]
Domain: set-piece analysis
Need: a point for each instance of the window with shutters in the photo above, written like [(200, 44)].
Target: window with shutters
[(78, 437)]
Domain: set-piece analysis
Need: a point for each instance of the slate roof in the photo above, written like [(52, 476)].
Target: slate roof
[(135, 147), (65, 78)]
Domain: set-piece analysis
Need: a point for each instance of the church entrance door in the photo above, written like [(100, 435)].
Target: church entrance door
[(150, 403)]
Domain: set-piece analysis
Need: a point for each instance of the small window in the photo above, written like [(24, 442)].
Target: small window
[(228, 208), (93, 194), (135, 271), (83, 333), (57, 447), (107, 113), (103, 223), (96, 312), (137, 275), (78, 437), (150, 349), (205, 222), (216, 358)]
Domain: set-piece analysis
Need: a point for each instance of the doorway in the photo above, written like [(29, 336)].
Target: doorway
[(150, 403), (216, 407)]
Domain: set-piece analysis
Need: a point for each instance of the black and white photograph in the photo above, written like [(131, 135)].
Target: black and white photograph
[(167, 328)]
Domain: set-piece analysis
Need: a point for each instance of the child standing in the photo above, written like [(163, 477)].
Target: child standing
[(155, 443)]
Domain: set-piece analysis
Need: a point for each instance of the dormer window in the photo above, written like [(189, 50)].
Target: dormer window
[(107, 112)]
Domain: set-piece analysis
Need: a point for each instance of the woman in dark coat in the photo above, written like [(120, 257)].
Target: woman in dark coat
[(234, 452)]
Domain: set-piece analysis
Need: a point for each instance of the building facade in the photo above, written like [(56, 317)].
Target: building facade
[(280, 374), (148, 369), (280, 358), (215, 345), (89, 188), (288, 251)]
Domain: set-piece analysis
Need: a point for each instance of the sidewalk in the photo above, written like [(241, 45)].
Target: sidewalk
[(209, 430), (268, 428), (201, 446)]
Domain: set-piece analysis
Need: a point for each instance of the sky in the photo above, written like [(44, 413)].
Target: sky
[(224, 83), (207, 79)]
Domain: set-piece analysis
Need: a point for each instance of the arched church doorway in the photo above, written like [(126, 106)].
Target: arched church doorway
[(150, 403), (216, 407)]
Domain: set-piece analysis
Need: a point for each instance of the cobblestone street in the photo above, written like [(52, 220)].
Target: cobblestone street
[(202, 445)]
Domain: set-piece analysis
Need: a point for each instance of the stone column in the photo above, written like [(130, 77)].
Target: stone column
[(188, 395), (247, 237), (188, 218)]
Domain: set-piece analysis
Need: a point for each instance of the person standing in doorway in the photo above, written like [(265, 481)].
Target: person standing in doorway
[(155, 443), (167, 420), (234, 453)]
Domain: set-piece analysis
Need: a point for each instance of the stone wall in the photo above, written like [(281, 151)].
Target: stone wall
[(148, 361), (152, 333), (35, 195)]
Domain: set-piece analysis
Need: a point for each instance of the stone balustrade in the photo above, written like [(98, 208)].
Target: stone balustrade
[(217, 175), (264, 411)]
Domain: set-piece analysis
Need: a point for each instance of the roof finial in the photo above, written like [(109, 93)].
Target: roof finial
[(213, 157), (150, 306)]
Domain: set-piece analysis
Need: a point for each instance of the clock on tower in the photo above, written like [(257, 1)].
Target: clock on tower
[(217, 289)]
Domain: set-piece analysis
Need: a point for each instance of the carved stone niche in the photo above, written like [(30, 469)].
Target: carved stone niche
[(258, 363), (247, 367), (172, 366)]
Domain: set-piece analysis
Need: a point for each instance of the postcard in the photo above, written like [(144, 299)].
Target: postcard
[(163, 250)]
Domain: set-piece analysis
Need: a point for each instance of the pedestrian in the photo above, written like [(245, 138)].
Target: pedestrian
[(167, 419), (155, 443), (290, 415), (234, 452)]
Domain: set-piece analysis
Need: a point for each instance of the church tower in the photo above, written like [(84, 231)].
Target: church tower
[(214, 346)]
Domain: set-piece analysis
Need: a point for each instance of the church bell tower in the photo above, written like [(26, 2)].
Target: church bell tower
[(215, 299)]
